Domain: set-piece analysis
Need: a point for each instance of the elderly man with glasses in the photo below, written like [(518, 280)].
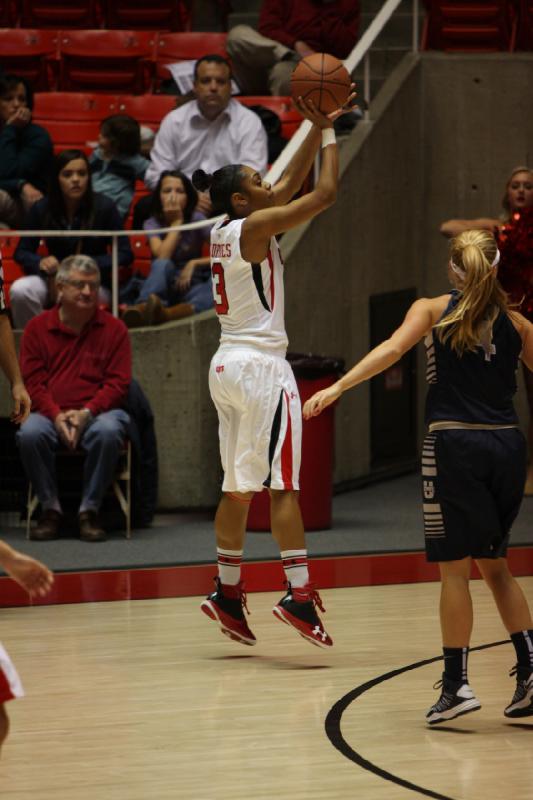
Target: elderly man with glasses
[(76, 363)]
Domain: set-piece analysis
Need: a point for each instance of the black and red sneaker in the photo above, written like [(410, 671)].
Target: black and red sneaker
[(297, 608), (225, 606)]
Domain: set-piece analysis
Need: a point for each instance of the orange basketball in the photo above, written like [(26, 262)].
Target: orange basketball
[(323, 79)]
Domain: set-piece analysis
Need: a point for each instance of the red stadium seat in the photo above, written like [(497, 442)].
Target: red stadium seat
[(142, 253), (8, 13), (524, 39), (12, 270), (168, 15), (173, 47), (70, 134), (59, 13), (75, 106), (106, 61), (469, 26), (30, 53), (282, 106), (148, 109)]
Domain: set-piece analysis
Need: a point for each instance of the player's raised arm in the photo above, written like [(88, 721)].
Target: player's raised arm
[(266, 222), (302, 161)]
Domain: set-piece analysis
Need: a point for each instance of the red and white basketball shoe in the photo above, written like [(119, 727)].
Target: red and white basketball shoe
[(228, 612), (297, 608)]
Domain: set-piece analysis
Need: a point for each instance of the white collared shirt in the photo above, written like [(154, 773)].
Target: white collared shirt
[(187, 141)]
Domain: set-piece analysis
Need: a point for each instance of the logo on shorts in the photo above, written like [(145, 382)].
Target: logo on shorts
[(293, 395), (429, 490), (220, 368)]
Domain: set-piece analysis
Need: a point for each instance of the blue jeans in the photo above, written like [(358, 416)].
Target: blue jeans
[(102, 441), (161, 281)]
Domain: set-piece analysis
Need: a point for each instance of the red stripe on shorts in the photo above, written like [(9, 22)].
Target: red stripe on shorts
[(286, 451), (5, 689)]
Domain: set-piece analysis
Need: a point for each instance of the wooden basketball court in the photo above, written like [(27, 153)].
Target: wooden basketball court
[(146, 700)]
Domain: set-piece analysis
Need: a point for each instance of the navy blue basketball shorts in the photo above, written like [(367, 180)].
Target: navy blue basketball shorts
[(472, 488)]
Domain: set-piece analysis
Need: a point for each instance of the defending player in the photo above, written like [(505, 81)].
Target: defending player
[(37, 580), (473, 458), (251, 383), (30, 574)]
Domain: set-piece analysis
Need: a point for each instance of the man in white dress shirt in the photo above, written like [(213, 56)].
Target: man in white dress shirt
[(210, 131)]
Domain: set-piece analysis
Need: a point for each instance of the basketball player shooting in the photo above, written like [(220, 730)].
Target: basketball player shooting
[(251, 383)]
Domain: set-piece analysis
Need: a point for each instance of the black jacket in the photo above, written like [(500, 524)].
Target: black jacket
[(145, 477)]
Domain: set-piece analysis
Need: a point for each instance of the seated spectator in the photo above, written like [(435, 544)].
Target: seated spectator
[(26, 152), (117, 161), (70, 204), (76, 362), (179, 283), (263, 61), (210, 131)]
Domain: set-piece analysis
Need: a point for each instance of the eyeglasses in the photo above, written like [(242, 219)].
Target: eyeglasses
[(79, 285)]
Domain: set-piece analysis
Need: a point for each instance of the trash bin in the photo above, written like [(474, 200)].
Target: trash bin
[(316, 472)]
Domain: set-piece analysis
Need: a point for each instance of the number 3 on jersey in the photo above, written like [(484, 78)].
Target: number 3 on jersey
[(219, 288)]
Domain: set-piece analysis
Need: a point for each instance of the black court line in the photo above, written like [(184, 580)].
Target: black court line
[(333, 725)]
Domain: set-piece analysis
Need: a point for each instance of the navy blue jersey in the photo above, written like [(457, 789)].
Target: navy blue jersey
[(477, 387)]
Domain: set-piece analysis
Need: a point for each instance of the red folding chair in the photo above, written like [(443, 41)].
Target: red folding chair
[(106, 61), (485, 26), (59, 13), (32, 54), (169, 15), (174, 47)]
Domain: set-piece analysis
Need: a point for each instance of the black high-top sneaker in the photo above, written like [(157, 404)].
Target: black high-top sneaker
[(225, 606)]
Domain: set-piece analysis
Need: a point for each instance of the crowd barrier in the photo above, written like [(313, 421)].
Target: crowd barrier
[(114, 236)]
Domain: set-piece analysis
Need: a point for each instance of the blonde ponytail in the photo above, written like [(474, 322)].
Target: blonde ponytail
[(474, 256)]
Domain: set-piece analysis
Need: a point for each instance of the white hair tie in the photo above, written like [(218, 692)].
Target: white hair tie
[(462, 274)]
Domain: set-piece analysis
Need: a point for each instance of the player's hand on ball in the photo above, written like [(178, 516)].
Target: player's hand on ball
[(310, 111), (321, 400), (346, 107)]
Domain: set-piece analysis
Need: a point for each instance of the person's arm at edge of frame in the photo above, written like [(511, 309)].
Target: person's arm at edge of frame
[(525, 331), (453, 227), (418, 321), (26, 571), (11, 369)]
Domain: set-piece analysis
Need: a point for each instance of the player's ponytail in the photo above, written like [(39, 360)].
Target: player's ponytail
[(474, 259), (222, 184)]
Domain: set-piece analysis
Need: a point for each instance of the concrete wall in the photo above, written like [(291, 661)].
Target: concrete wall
[(446, 131)]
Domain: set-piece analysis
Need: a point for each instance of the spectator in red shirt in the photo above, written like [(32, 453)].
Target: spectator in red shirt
[(76, 362), (289, 30)]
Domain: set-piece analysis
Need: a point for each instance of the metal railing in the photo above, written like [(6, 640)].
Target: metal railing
[(114, 236)]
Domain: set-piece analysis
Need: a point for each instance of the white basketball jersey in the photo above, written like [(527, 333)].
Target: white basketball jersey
[(249, 298)]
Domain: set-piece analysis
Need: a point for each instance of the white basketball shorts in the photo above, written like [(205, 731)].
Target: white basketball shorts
[(10, 685), (260, 419)]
